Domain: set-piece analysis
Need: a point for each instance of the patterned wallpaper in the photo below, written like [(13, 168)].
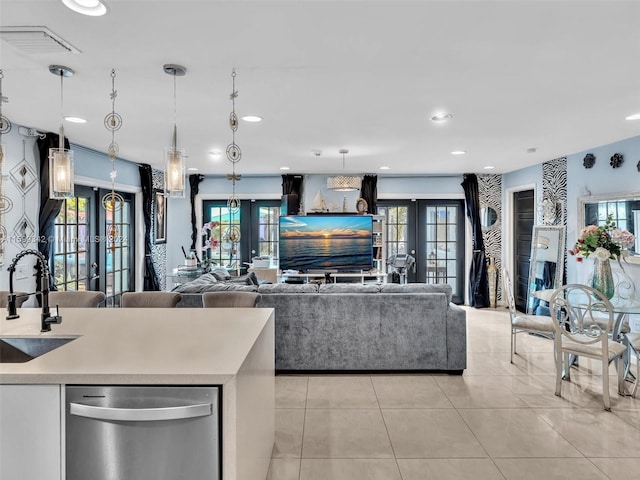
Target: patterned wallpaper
[(490, 194), (159, 251), (554, 188)]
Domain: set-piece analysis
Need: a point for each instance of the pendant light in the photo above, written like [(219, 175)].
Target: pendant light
[(174, 171), (61, 159), (344, 183)]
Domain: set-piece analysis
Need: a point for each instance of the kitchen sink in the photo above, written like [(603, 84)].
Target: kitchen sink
[(23, 349)]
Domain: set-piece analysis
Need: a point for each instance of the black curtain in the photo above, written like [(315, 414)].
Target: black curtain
[(194, 185), (369, 191), (292, 185), (49, 209), (146, 182), (478, 278)]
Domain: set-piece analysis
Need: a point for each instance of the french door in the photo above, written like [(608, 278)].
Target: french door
[(432, 231), (257, 223), (94, 248)]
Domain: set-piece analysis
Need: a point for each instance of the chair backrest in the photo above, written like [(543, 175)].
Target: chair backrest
[(21, 297), (508, 291), (150, 299), (582, 314), (230, 299), (74, 299)]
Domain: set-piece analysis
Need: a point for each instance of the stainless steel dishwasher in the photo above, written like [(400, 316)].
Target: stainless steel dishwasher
[(142, 433)]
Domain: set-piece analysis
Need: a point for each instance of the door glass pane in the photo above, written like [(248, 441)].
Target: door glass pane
[(220, 242), (441, 237), (268, 218)]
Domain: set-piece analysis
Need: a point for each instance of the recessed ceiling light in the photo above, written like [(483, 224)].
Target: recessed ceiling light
[(93, 8), (441, 117), (285, 168), (489, 167), (216, 154), (635, 116), (252, 118), (458, 152), (75, 119), (192, 169), (385, 168)]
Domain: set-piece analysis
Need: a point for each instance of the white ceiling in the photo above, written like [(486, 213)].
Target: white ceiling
[(559, 76)]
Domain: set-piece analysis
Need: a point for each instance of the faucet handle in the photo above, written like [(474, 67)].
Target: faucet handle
[(12, 312)]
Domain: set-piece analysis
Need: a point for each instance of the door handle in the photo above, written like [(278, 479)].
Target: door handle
[(140, 414)]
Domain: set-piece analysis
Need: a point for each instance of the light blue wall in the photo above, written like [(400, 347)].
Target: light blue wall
[(93, 164), (599, 180)]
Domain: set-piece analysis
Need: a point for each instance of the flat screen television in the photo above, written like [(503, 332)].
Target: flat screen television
[(326, 242)]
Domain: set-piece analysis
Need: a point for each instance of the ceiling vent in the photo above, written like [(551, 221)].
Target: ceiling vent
[(36, 40)]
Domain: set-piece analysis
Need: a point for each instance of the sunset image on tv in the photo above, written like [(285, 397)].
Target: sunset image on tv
[(322, 242)]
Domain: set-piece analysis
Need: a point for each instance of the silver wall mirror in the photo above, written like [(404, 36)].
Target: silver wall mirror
[(625, 208), (546, 267), (488, 217)]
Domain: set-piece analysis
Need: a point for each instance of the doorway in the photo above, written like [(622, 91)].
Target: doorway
[(523, 221), (94, 249), (432, 231)]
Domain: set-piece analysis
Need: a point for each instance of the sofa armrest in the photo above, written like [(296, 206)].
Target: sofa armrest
[(456, 338)]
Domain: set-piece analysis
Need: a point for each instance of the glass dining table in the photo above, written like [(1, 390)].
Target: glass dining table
[(622, 308)]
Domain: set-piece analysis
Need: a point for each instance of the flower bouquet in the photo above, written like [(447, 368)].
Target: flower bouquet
[(211, 240), (606, 242)]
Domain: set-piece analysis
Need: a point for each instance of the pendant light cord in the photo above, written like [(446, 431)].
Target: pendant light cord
[(61, 134), (175, 114)]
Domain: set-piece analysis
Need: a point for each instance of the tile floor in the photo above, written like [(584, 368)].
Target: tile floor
[(497, 421)]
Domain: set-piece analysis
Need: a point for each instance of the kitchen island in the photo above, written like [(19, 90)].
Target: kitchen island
[(229, 348)]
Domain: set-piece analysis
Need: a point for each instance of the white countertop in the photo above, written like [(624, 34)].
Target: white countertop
[(138, 345)]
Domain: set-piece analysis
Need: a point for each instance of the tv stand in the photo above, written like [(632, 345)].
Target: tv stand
[(380, 277)]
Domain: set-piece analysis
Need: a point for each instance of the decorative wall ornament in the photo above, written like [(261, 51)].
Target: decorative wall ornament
[(5, 124), (231, 234), (5, 202), (589, 160), (112, 201), (24, 178), (617, 159)]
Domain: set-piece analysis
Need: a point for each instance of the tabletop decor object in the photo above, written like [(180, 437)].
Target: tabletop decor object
[(607, 243)]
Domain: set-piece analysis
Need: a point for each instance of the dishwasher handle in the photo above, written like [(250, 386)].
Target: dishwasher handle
[(140, 414)]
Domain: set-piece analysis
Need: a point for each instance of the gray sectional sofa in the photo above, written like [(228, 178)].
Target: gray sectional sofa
[(354, 327)]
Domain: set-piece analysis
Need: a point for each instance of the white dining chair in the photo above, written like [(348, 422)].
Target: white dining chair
[(523, 323), (578, 312)]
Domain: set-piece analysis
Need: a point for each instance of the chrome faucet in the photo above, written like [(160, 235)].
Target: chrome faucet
[(45, 318)]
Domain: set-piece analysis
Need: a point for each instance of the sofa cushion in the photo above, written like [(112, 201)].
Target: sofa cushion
[(247, 279), (288, 288), (221, 274), (349, 288), (418, 288), (197, 285)]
